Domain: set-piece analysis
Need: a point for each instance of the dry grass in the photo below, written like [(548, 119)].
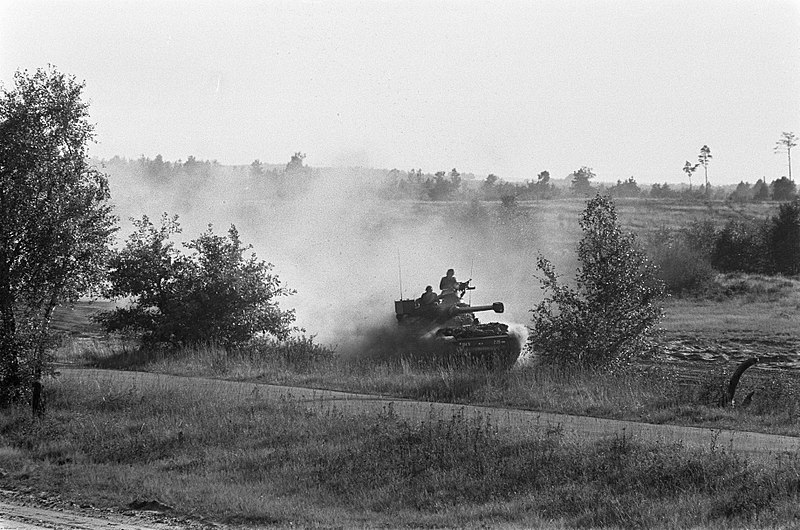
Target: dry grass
[(711, 334), (238, 459), (657, 392)]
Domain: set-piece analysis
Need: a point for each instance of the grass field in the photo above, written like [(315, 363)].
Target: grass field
[(703, 341), (235, 459)]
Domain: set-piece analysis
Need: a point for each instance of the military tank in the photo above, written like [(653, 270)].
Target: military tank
[(447, 331)]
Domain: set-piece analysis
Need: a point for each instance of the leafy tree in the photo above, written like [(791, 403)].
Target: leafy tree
[(784, 239), (742, 193), (580, 181), (760, 191), (213, 293), (704, 158), (787, 141), (609, 317), (783, 189), (488, 189), (157, 171), (662, 191), (296, 163), (256, 168), (627, 188), (543, 178), (442, 187), (55, 220), (541, 188), (741, 246)]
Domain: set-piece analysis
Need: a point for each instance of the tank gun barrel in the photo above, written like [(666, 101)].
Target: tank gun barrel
[(497, 307)]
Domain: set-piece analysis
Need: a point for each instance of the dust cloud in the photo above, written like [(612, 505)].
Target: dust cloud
[(349, 254)]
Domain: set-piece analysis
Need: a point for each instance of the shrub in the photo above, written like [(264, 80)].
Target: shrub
[(609, 317), (784, 239), (682, 266), (700, 236), (741, 246), (214, 294), (299, 352)]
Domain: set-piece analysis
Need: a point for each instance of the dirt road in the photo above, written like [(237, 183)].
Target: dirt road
[(511, 422), (19, 514)]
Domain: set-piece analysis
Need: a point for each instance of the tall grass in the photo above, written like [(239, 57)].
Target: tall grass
[(237, 458)]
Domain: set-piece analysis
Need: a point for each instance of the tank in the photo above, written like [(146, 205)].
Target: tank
[(448, 332)]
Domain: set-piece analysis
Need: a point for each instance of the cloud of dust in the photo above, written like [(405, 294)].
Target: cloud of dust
[(350, 255)]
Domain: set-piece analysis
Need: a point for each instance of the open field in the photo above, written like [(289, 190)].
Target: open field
[(233, 457), (703, 341)]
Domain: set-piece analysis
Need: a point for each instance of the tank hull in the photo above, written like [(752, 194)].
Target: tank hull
[(488, 345)]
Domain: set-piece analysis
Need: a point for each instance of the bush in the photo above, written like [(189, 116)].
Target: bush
[(609, 317), (214, 294), (682, 266), (741, 246), (784, 239)]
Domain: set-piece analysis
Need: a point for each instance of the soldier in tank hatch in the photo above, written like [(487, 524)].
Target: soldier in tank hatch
[(448, 284), (428, 297)]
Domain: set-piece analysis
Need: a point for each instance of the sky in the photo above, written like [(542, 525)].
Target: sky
[(630, 88)]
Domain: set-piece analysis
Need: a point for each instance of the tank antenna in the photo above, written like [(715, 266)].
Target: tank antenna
[(400, 273), (471, 267)]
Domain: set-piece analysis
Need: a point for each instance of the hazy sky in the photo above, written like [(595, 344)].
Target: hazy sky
[(629, 88)]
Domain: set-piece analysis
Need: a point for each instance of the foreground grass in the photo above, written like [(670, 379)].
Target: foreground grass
[(238, 459)]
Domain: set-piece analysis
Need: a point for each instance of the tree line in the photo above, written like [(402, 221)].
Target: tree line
[(295, 178)]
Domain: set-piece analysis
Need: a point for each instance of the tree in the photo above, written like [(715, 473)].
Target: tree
[(784, 239), (787, 141), (703, 158), (742, 193), (609, 317), (55, 220), (741, 246), (212, 294), (627, 188), (689, 169), (580, 180), (761, 191), (488, 186), (256, 168), (296, 163), (783, 189), (662, 191)]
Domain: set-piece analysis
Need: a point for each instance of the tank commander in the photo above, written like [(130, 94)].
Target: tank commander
[(448, 284), (428, 297)]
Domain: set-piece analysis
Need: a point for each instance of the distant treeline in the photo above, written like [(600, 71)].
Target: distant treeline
[(294, 177)]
